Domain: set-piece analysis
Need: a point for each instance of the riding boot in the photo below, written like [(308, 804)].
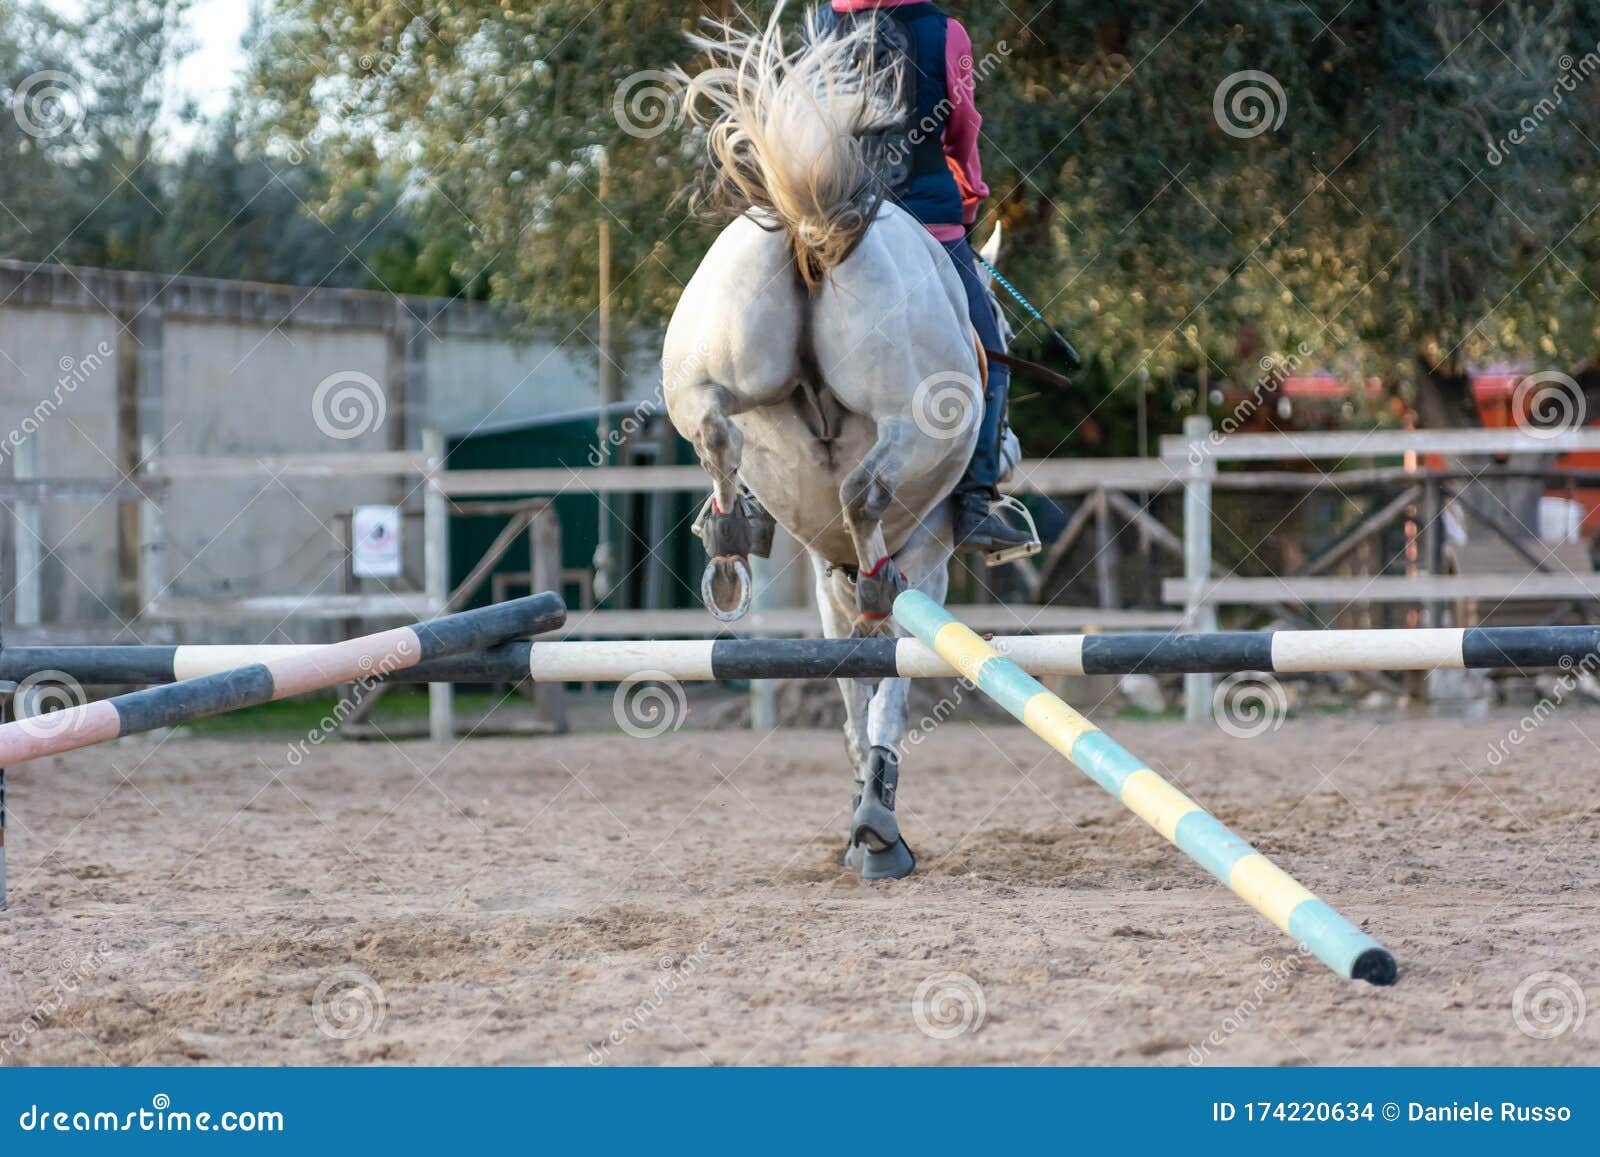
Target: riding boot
[(980, 529)]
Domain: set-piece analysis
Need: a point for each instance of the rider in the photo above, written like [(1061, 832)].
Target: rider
[(941, 184)]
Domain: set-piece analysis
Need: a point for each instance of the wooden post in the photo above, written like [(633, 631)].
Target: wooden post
[(1107, 557), (140, 338), (763, 692), (2, 804), (604, 563), (436, 575), (345, 529), (1431, 552), (152, 535), (1197, 614), (544, 564)]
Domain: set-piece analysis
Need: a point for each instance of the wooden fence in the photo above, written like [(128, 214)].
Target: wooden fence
[(1111, 495)]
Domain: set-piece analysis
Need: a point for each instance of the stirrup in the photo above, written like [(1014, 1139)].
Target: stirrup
[(1011, 504)]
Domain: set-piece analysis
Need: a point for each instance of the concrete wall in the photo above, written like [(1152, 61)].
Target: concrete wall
[(192, 366), (58, 407)]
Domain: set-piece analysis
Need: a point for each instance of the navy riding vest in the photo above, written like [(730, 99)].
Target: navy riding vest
[(916, 172)]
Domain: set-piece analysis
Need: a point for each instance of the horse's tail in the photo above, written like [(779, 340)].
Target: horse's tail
[(785, 130)]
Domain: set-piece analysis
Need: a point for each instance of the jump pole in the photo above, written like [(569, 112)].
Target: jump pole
[(1253, 878), (357, 660), (1155, 653)]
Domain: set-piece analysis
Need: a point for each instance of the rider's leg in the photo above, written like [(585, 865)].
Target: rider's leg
[(975, 526), (984, 470)]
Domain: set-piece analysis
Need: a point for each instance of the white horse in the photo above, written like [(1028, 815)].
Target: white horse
[(822, 358)]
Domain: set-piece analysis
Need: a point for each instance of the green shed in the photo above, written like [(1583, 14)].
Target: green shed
[(657, 560)]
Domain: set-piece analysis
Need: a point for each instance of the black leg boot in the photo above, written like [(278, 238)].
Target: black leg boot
[(874, 829)]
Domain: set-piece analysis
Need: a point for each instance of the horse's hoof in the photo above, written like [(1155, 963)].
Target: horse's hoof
[(726, 588), (873, 825), (852, 856), (893, 863)]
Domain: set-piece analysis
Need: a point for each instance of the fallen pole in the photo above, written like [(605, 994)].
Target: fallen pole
[(1154, 653), (368, 658), (1255, 879)]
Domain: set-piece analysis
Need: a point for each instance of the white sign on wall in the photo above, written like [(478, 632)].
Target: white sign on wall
[(375, 545)]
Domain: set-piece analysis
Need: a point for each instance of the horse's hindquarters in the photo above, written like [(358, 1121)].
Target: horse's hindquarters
[(797, 477), (886, 333), (798, 480)]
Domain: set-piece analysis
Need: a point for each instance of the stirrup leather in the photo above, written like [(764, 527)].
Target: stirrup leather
[(1011, 504)]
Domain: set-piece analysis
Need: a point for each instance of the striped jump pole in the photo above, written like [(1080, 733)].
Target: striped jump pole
[(357, 660), (1255, 879), (1223, 652)]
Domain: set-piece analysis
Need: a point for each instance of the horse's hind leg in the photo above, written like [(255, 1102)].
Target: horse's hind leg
[(834, 605), (877, 712), (874, 847), (901, 454), (732, 347), (702, 411), (874, 825)]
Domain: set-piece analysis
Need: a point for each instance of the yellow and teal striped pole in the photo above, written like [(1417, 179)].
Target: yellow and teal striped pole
[(1255, 879)]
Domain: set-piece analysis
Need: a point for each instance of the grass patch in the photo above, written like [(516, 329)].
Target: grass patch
[(310, 712)]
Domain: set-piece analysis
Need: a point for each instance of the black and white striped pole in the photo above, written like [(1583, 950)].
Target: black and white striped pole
[(701, 660)]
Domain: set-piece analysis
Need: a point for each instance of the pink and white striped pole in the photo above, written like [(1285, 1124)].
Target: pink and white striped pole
[(358, 660)]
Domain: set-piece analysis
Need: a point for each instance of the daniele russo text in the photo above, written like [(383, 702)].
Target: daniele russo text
[(1481, 1112)]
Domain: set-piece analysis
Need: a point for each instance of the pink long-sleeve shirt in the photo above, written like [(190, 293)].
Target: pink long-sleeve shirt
[(961, 128)]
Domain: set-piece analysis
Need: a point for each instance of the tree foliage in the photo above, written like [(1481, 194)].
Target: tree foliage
[(90, 172), (1191, 187), (1373, 216)]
